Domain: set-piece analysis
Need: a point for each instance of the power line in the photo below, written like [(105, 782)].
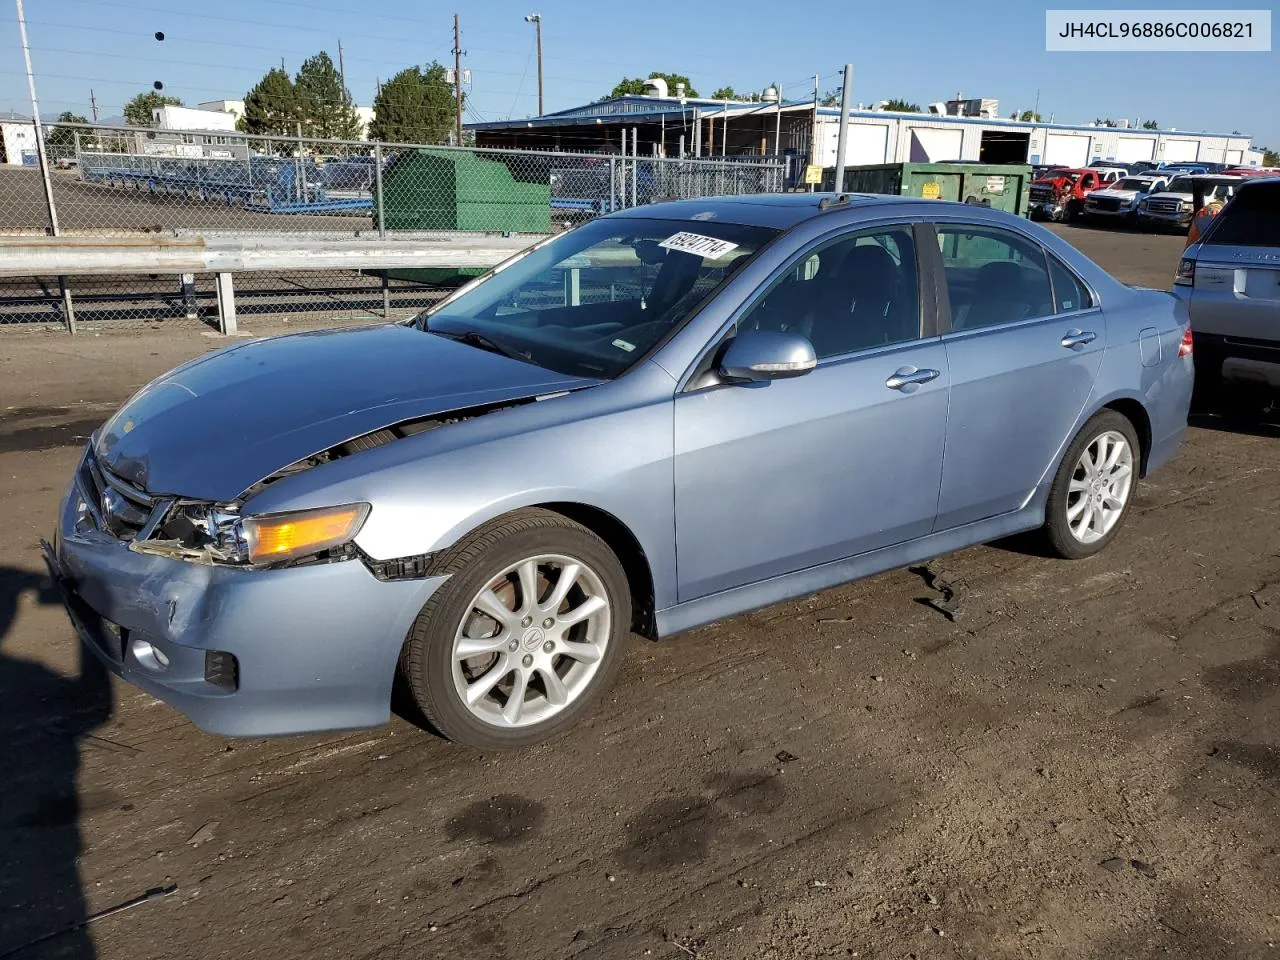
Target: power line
[(254, 23)]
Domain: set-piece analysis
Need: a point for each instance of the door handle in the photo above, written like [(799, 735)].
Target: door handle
[(909, 376), (1078, 338)]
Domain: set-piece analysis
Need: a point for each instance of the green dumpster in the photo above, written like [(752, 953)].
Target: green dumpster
[(429, 189), (1002, 186)]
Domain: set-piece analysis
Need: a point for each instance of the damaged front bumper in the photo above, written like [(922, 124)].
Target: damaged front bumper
[(241, 651)]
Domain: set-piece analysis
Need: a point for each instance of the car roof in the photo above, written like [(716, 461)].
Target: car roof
[(783, 211), (779, 210)]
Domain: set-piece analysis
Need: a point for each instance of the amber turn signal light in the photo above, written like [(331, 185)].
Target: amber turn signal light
[(287, 536)]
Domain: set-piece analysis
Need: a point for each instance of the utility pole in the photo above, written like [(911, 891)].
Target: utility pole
[(35, 119), (282, 63), (813, 134), (536, 20), (457, 80), (342, 70), (93, 105), (843, 136)]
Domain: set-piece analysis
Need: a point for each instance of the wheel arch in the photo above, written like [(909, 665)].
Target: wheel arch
[(616, 534), (1133, 410), (629, 551)]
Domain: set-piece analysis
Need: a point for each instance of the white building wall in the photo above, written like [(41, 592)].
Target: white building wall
[(971, 142), (1130, 149), (1178, 149), (19, 137), (890, 138), (186, 118), (1068, 148)]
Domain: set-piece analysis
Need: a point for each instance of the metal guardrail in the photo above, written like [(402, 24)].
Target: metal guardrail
[(223, 258)]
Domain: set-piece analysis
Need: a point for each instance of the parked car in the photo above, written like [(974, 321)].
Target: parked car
[(1142, 166), (1175, 205), (1119, 201), (1182, 166), (665, 417), (1230, 279), (1059, 194), (1123, 168)]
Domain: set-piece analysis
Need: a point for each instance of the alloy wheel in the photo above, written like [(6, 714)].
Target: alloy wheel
[(531, 641), (1100, 486)]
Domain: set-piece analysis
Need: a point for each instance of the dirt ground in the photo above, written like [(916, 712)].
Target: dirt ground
[(1084, 764)]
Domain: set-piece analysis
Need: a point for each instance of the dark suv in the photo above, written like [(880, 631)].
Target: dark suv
[(1230, 279)]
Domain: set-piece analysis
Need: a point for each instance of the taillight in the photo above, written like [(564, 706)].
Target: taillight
[(1184, 348), (1185, 275)]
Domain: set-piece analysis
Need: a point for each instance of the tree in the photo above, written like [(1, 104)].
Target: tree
[(271, 107), (324, 103), (634, 86), (414, 106), (1270, 158), (1151, 125), (725, 93), (830, 99), (61, 137), (1105, 123), (138, 111), (1026, 116), (902, 106)]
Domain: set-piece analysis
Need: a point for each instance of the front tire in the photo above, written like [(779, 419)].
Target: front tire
[(1093, 487), (526, 634)]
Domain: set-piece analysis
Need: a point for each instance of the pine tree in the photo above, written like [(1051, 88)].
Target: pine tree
[(271, 107), (414, 106), (325, 105)]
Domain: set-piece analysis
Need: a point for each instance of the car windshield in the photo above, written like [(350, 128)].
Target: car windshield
[(594, 300), (1180, 185), (1142, 186)]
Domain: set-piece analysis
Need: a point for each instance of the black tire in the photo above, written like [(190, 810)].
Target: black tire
[(426, 661), (1057, 530)]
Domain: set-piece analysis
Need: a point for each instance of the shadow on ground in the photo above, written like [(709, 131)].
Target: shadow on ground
[(43, 719)]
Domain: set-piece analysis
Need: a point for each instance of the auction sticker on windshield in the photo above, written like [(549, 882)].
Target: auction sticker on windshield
[(709, 248)]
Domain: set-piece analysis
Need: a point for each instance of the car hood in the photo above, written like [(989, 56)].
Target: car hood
[(1118, 194), (215, 426)]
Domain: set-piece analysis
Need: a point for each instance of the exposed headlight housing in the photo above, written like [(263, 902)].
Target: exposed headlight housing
[(275, 537)]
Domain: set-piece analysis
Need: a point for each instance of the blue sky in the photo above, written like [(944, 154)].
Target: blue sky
[(922, 51)]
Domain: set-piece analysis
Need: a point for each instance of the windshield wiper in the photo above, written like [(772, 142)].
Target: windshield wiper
[(475, 338)]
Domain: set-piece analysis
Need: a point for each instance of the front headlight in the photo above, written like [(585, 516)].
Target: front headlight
[(274, 537)]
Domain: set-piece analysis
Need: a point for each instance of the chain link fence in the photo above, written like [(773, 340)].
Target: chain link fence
[(131, 182), (264, 301), (118, 180)]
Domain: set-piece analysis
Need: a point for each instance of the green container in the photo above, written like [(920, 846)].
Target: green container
[(428, 189), (1004, 186)]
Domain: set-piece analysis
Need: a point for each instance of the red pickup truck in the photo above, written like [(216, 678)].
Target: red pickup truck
[(1059, 194)]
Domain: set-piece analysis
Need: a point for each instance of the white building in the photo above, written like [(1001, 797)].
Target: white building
[(366, 117), (896, 138), (233, 107), (188, 118), (17, 141)]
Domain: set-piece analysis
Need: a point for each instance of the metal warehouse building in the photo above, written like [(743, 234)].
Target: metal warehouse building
[(709, 128)]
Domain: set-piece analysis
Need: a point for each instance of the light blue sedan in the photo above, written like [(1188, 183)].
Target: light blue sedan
[(665, 417)]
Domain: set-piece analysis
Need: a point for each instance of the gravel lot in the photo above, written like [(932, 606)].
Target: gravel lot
[(1084, 764)]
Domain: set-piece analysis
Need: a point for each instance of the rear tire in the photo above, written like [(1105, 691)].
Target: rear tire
[(1093, 487), (506, 654)]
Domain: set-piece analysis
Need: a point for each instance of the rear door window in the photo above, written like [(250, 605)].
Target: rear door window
[(1069, 294), (1252, 220), (993, 276)]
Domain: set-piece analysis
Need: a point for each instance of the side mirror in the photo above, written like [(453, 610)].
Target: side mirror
[(767, 355)]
